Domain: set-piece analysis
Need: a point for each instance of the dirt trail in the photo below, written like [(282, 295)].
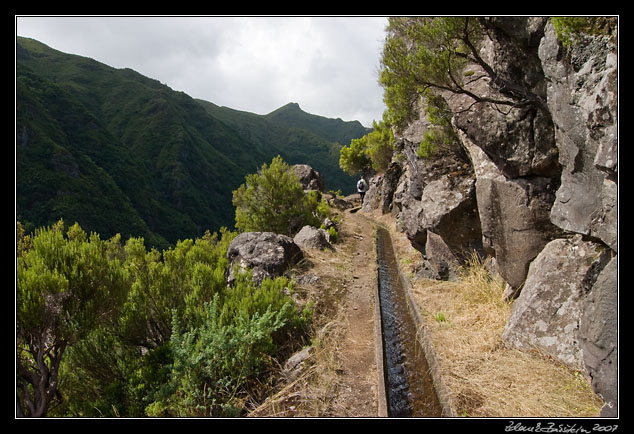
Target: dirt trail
[(358, 393), (339, 379)]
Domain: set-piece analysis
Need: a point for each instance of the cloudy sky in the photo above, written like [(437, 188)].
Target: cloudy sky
[(328, 65)]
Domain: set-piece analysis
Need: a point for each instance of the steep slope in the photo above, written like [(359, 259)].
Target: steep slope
[(174, 165), (122, 153), (64, 170)]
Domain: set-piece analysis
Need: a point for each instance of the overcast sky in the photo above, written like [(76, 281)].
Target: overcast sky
[(328, 65)]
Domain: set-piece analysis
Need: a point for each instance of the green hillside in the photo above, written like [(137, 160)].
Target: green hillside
[(299, 137), (122, 153)]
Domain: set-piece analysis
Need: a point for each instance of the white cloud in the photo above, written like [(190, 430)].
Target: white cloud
[(328, 65)]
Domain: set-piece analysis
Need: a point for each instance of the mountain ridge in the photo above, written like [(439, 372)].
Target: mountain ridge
[(170, 159)]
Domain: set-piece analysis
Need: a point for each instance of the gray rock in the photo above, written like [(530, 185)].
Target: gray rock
[(388, 186), (582, 97), (449, 209), (598, 337), (514, 215), (309, 177), (442, 259), (436, 195), (266, 253), (547, 313), (372, 197), (293, 366), (519, 141), (545, 186), (515, 223), (338, 202), (310, 237)]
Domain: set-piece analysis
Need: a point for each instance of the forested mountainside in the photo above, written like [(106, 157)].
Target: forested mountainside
[(118, 152)]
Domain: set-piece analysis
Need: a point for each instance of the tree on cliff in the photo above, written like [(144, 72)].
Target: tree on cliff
[(423, 54), (372, 151)]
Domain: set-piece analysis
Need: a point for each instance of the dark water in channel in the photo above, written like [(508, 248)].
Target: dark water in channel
[(408, 384)]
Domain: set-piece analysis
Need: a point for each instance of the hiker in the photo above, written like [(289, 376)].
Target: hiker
[(362, 187)]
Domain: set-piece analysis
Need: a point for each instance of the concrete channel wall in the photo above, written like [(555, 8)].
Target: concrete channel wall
[(422, 337)]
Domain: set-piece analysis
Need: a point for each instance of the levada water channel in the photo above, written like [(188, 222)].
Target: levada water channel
[(408, 384)]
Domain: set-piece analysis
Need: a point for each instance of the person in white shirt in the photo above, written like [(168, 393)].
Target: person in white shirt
[(362, 188)]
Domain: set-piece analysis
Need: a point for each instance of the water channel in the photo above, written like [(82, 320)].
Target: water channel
[(408, 383)]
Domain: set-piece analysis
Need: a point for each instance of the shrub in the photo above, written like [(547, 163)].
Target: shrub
[(373, 150), (334, 235), (273, 200), (570, 29), (353, 159), (67, 286), (214, 364)]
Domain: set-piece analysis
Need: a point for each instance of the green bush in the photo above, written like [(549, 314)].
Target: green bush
[(215, 363), (131, 332), (440, 137), (354, 159), (69, 284), (273, 200), (334, 235), (373, 150), (570, 29)]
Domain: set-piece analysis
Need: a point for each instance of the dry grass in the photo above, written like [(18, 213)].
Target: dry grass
[(485, 378), (311, 393)]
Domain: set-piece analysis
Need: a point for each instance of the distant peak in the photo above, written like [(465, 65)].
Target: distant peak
[(291, 108), (291, 105)]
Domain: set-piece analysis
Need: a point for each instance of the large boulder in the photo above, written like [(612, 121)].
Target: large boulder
[(309, 177), (547, 314), (266, 253), (520, 141), (372, 199), (512, 150), (450, 210), (435, 203), (514, 214), (598, 337), (310, 237), (582, 97)]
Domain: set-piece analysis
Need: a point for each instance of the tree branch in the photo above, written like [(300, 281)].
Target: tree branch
[(503, 86)]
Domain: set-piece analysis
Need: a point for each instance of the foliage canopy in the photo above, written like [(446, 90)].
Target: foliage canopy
[(68, 284)]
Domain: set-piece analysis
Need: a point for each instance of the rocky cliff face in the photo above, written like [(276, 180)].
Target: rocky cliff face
[(534, 187)]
